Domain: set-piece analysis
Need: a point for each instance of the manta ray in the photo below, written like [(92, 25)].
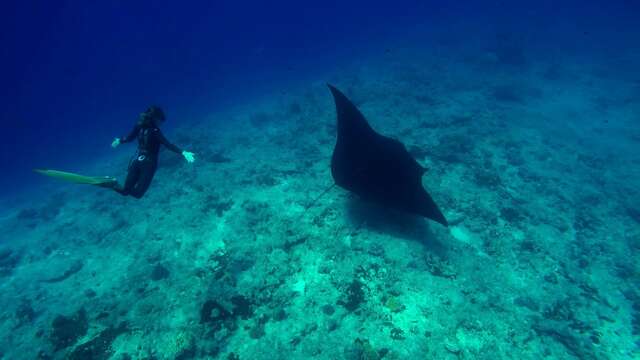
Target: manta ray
[(376, 167)]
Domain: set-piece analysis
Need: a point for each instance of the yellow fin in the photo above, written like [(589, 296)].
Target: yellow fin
[(75, 178)]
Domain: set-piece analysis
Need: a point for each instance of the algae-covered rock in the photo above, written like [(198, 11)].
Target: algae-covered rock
[(187, 351), (67, 329), (328, 309), (397, 334), (8, 261), (25, 314), (353, 296), (99, 348), (213, 312), (159, 272), (257, 330), (242, 307), (394, 305), (361, 350)]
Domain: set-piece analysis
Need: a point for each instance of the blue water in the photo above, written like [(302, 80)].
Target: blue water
[(77, 75)]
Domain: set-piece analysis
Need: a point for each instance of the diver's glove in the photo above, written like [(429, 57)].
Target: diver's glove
[(115, 142), (189, 156)]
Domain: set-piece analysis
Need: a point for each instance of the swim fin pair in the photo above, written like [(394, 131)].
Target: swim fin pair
[(103, 181)]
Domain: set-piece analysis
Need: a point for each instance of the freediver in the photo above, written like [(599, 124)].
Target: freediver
[(145, 161)]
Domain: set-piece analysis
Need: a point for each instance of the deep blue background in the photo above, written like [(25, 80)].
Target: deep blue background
[(76, 73)]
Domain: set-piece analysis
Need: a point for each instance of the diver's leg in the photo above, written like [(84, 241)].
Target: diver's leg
[(147, 170), (133, 175)]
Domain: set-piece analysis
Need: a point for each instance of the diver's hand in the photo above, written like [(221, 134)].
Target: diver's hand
[(115, 142), (189, 156)]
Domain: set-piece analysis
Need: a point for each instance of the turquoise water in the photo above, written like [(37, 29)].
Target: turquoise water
[(530, 134)]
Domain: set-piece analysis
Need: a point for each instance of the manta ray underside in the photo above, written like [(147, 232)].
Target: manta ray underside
[(376, 167)]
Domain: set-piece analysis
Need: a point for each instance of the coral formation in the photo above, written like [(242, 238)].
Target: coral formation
[(66, 330)]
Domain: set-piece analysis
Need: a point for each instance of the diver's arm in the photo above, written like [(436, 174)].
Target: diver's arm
[(168, 145), (189, 156), (132, 135)]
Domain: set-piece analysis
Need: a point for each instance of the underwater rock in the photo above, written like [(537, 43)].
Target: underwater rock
[(361, 350), (511, 215), (42, 355), (223, 207), (215, 315), (213, 202), (559, 310), (242, 307), (529, 246), (585, 221), (187, 352), (394, 305), (266, 180), (293, 243), (527, 302), (354, 296), (257, 331), (240, 263), (487, 179), (439, 267), (579, 346), (397, 334), (452, 346), (328, 309), (75, 267), (376, 250), (219, 263), (332, 324), (8, 261), (551, 278), (25, 314), (308, 329), (280, 315), (159, 272), (45, 213), (515, 158), (212, 311), (453, 148), (67, 329), (99, 348)]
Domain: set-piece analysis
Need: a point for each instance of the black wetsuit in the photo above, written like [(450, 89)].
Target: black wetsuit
[(143, 166)]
